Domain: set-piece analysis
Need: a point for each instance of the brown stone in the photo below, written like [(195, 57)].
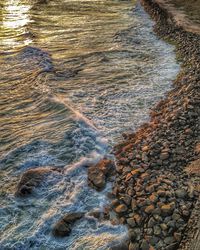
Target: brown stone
[(149, 209), (153, 197), (161, 193), (145, 176), (150, 188), (63, 227), (164, 155), (167, 209), (96, 178), (134, 204), (137, 218), (106, 166), (145, 148), (121, 208), (135, 173), (98, 173)]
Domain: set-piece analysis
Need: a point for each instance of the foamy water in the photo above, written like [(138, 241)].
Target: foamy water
[(74, 76)]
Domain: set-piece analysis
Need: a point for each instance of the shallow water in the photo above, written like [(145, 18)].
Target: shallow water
[(74, 76)]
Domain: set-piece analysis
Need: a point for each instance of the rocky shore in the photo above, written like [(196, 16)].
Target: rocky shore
[(158, 168)]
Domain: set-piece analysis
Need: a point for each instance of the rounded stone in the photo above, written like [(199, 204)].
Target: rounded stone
[(121, 208), (149, 209), (181, 193)]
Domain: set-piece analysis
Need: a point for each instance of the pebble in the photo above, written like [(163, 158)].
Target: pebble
[(181, 193), (167, 209), (149, 209), (121, 208)]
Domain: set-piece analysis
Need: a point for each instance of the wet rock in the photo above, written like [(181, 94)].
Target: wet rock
[(72, 217), (106, 166), (96, 214), (63, 227), (96, 178), (97, 174), (30, 179)]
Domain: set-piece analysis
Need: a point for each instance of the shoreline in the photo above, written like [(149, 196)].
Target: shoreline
[(157, 183)]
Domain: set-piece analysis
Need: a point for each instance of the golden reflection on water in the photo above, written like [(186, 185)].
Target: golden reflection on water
[(15, 18)]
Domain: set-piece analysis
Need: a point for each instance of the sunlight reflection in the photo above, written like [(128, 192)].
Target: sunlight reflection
[(15, 18)]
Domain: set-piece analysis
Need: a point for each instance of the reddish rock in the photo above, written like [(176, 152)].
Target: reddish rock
[(97, 174), (96, 178)]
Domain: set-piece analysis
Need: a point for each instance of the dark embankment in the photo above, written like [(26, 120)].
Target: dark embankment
[(157, 185)]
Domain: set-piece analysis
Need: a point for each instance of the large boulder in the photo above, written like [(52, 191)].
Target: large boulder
[(31, 179), (99, 173), (63, 227)]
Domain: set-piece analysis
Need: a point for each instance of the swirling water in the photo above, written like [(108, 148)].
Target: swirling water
[(74, 76)]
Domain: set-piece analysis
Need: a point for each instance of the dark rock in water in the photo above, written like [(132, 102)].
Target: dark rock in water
[(36, 56), (96, 178), (41, 60), (97, 174), (63, 227), (31, 179), (72, 217), (96, 214)]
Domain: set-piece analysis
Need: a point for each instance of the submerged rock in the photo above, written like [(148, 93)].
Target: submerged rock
[(63, 227)]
